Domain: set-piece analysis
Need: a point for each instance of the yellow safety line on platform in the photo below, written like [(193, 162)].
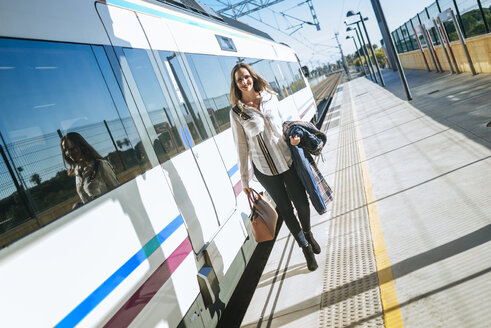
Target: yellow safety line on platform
[(390, 304)]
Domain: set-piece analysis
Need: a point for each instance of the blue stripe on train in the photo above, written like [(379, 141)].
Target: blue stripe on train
[(97, 296), (306, 103), (234, 169)]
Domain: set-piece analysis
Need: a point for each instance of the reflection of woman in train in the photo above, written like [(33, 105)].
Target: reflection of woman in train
[(256, 125), (93, 174)]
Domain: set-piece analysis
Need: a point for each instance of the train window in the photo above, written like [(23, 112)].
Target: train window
[(280, 77), (298, 81), (209, 73), (227, 64), (226, 44), (49, 91), (287, 74), (168, 143), (263, 68), (15, 208), (187, 104)]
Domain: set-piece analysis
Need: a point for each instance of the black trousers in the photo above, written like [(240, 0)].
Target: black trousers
[(286, 188)]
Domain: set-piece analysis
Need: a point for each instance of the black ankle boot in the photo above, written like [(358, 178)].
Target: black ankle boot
[(315, 246), (310, 257)]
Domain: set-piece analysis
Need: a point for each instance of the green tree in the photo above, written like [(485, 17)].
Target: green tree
[(478, 29), (379, 53), (35, 178), (473, 23)]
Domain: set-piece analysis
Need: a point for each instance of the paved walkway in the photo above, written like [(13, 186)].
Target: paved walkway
[(407, 240)]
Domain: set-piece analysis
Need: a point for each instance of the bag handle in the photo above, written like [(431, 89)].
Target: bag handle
[(253, 195)]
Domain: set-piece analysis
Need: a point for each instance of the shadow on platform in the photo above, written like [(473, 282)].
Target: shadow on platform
[(400, 269), (459, 101)]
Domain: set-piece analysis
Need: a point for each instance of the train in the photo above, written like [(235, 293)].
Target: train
[(146, 83)]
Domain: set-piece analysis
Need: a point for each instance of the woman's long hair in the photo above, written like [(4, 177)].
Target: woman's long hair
[(87, 152), (259, 83)]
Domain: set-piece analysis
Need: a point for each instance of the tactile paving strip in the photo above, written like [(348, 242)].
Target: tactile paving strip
[(350, 295)]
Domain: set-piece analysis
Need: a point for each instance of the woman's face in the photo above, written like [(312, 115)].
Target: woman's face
[(72, 151), (244, 80)]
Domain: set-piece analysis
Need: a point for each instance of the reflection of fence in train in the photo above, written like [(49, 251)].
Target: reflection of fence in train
[(38, 159), (218, 109), (33, 179)]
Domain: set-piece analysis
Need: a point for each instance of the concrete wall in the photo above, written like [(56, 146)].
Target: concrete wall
[(479, 49)]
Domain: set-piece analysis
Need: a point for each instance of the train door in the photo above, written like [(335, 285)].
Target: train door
[(212, 80), (198, 128), (199, 131), (164, 127)]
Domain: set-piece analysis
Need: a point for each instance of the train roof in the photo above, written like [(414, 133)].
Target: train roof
[(195, 30), (205, 12)]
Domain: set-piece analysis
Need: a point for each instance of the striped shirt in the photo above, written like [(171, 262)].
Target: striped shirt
[(258, 136)]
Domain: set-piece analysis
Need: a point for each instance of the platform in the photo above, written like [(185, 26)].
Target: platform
[(406, 240)]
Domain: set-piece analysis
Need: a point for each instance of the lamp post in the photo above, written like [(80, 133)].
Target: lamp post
[(362, 51), (352, 13), (364, 47), (342, 57), (370, 69), (357, 53)]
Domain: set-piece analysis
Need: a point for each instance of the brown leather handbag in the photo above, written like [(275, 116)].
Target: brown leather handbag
[(263, 217)]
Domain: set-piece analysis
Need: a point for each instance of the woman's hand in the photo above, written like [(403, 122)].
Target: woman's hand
[(76, 205), (294, 141), (247, 191)]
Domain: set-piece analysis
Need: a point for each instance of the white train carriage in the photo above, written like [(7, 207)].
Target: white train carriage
[(146, 84)]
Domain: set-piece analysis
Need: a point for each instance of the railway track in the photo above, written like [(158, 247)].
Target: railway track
[(323, 93)]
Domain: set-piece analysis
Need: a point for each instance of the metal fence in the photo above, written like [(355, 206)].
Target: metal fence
[(474, 17)]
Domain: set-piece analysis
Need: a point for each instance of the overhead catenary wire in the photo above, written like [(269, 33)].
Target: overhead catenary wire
[(340, 18), (299, 41), (293, 22), (305, 42)]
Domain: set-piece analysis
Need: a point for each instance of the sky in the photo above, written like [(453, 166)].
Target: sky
[(314, 47)]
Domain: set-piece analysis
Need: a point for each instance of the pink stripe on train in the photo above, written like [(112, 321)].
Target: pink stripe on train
[(129, 311)]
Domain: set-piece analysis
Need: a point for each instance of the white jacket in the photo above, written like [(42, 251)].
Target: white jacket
[(258, 135)]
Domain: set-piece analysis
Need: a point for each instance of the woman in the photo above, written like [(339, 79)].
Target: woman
[(257, 130), (93, 174)]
